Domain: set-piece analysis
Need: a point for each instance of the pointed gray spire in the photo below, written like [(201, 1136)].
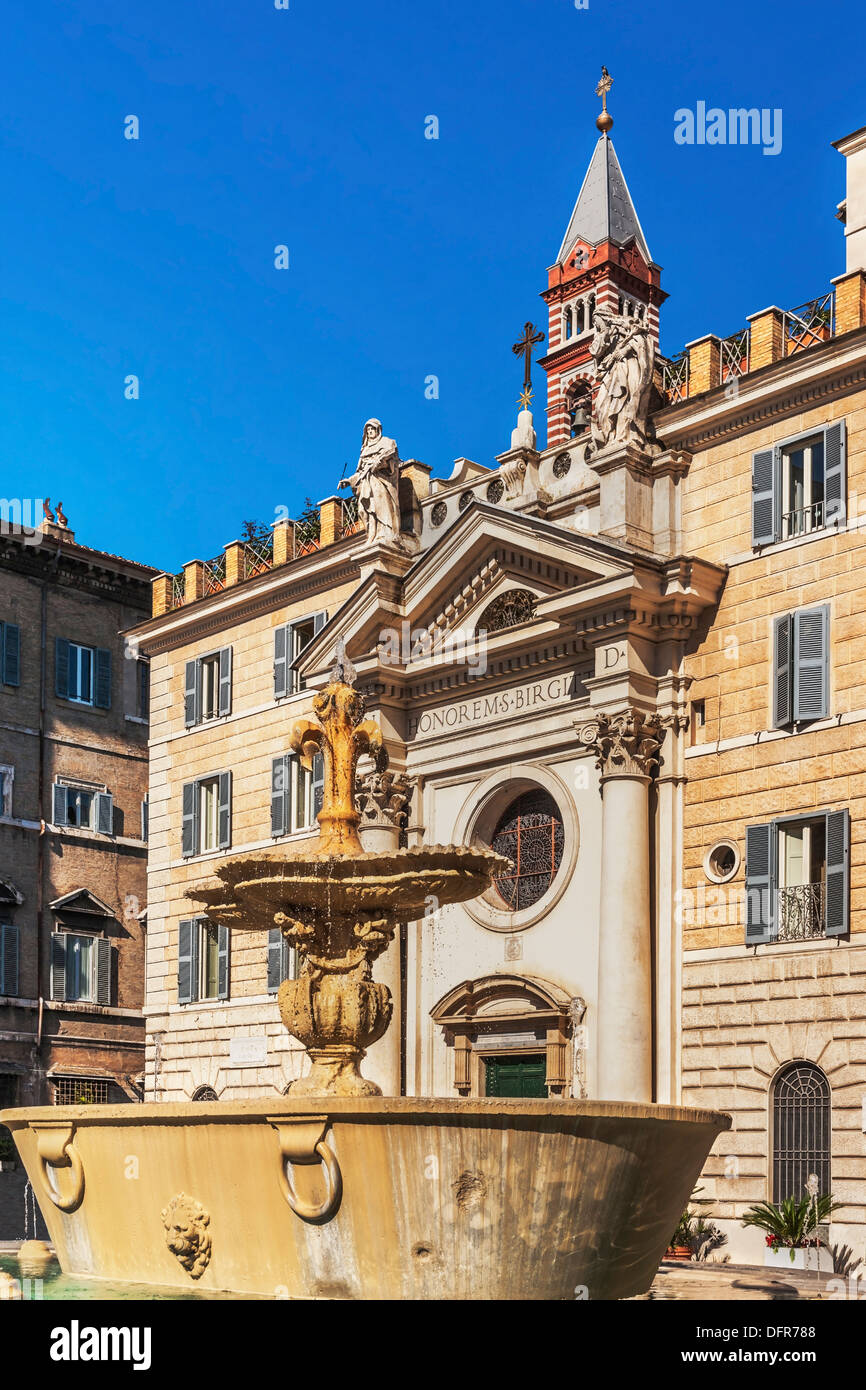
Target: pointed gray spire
[(604, 210)]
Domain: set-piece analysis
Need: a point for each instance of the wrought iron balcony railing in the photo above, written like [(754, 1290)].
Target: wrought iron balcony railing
[(800, 523), (801, 912), (675, 377), (349, 519), (258, 556)]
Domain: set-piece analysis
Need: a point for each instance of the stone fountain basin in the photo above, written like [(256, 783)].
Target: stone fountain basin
[(248, 889), (400, 1198)]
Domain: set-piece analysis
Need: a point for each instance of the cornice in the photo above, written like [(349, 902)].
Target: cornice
[(73, 569)]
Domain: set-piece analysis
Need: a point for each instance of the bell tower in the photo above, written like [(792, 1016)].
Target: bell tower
[(603, 263)]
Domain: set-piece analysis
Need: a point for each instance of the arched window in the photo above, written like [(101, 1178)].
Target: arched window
[(801, 1130), (620, 304), (579, 313), (567, 324), (591, 310), (205, 1093)]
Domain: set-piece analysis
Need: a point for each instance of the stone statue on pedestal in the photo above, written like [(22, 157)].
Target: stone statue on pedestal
[(622, 352), (376, 484)]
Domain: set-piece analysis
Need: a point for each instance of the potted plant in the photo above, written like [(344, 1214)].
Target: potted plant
[(790, 1230), (682, 1244)]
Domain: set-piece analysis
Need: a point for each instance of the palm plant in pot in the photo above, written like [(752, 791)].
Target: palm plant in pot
[(791, 1226)]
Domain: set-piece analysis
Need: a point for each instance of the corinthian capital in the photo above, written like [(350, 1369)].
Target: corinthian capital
[(383, 798), (624, 744)]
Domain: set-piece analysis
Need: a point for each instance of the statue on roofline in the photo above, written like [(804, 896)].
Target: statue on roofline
[(623, 353), (376, 484)]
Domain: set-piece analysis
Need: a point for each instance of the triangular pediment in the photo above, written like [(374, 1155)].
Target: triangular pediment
[(81, 900), (486, 554)]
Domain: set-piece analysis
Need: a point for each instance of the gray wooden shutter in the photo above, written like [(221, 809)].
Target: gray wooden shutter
[(8, 959), (811, 663), (189, 837), (191, 693), (280, 822), (838, 833), (145, 810), (222, 962), (761, 914), (765, 496), (783, 667), (275, 959), (60, 806), (143, 689), (319, 620), (58, 966), (61, 668), (11, 654), (224, 824), (318, 782), (187, 961), (103, 970), (225, 686), (835, 480), (281, 661), (104, 813), (102, 678)]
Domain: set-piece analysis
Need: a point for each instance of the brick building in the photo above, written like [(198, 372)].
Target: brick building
[(635, 667), (73, 759)]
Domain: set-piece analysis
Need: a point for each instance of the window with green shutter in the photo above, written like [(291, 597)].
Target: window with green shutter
[(10, 654)]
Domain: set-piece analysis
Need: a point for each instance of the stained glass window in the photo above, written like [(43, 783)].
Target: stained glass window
[(530, 834)]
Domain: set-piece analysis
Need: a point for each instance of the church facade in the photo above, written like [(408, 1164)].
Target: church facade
[(630, 661)]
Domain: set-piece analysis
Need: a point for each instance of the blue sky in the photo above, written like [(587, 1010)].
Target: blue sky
[(408, 257)]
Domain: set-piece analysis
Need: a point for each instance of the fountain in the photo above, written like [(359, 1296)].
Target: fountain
[(335, 1191)]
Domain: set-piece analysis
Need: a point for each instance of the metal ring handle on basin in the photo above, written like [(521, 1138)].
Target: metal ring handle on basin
[(55, 1148), (302, 1140), (316, 1211)]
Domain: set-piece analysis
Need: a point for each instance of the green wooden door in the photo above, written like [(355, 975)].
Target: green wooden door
[(516, 1077)]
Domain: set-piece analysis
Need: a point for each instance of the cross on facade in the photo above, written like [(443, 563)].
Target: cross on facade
[(525, 345)]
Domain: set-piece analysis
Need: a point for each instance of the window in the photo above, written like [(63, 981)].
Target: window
[(567, 325), (80, 1090), (801, 1131), (9, 949), (801, 666), (82, 674), (296, 793), (530, 834), (7, 782), (797, 878), (10, 653), (206, 814), (282, 960), (289, 641), (510, 609), (83, 807), (799, 486), (204, 1093), (82, 968), (202, 961), (208, 687), (722, 862)]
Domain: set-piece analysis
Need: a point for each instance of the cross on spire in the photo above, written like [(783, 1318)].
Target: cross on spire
[(524, 347)]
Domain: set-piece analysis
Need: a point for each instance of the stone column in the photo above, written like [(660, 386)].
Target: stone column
[(626, 747), (383, 800)]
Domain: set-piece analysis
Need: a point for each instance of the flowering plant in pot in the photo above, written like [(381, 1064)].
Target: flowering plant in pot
[(791, 1224)]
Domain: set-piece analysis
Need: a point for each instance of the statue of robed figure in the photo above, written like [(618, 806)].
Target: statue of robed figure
[(622, 352), (376, 484)]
